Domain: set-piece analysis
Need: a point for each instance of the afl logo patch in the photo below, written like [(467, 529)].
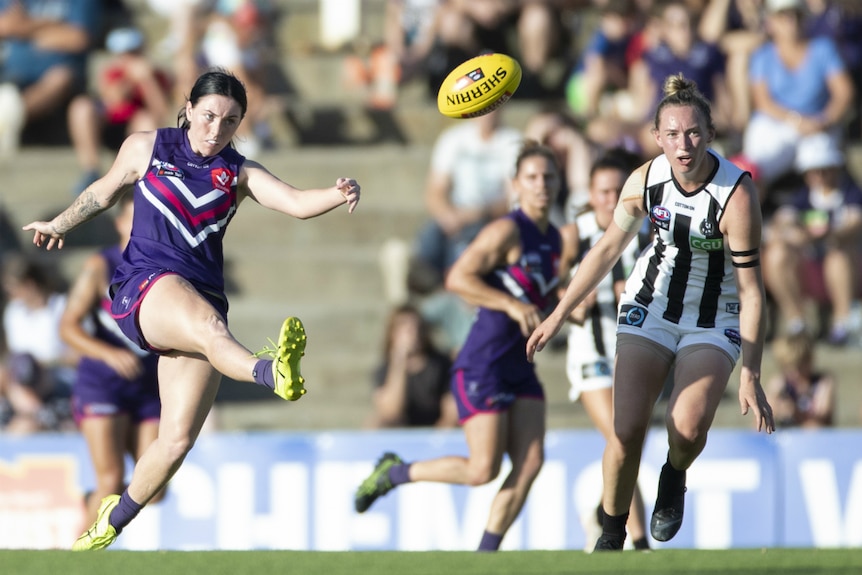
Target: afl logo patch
[(632, 315), (660, 216), (733, 337), (166, 169)]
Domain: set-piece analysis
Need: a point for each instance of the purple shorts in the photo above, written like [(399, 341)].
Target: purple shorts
[(126, 298), (482, 392), (99, 391)]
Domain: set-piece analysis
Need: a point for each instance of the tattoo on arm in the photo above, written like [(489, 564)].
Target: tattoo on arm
[(84, 208)]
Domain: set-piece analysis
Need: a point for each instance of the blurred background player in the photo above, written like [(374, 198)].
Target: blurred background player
[(115, 396), (510, 273), (592, 331)]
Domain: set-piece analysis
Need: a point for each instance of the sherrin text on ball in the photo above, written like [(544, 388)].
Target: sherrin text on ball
[(479, 86)]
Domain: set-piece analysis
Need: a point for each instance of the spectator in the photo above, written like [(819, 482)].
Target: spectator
[(534, 23), (467, 187), (738, 28), (841, 20), (800, 88), (817, 235), (45, 62), (132, 96), (412, 384), (599, 84), (801, 395), (239, 35), (412, 47), (679, 51), (37, 379)]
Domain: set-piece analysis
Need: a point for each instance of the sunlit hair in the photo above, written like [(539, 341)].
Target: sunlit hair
[(679, 91), (532, 148), (216, 81)]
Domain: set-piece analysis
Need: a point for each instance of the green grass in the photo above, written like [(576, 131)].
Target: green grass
[(664, 562)]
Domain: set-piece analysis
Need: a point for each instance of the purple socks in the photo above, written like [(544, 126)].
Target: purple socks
[(399, 474), (263, 373), (124, 512), (490, 542)]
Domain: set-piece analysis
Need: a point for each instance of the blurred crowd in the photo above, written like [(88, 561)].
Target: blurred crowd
[(783, 77)]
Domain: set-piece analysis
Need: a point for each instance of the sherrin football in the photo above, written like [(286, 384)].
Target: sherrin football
[(479, 86)]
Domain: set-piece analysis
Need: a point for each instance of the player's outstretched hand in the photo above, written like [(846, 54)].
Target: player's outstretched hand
[(751, 395), (44, 231), (542, 335), (350, 190)]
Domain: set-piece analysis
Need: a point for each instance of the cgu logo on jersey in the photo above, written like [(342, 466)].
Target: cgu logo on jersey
[(222, 179), (660, 216), (710, 243), (707, 244)]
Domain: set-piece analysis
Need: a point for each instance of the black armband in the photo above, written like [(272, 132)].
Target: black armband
[(752, 264), (753, 252)]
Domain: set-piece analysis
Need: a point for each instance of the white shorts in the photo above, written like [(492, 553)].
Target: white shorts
[(636, 320), (586, 368)]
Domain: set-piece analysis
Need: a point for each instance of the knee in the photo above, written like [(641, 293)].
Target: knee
[(481, 473), (533, 464), (176, 447), (628, 439), (686, 435), (216, 326)]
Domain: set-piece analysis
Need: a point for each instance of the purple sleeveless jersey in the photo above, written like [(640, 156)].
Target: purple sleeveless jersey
[(491, 369), (183, 205)]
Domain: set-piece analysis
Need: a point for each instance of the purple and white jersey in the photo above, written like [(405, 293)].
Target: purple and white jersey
[(495, 340), (183, 205)]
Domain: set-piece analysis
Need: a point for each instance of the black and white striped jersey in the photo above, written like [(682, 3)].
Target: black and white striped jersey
[(687, 277)]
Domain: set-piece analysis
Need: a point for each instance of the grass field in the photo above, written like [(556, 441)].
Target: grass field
[(664, 562)]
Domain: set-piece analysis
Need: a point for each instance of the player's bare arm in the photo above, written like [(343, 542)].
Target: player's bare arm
[(258, 183), (742, 225), (130, 164)]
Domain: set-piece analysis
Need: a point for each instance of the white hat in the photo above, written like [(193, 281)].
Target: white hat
[(121, 40), (817, 152), (779, 5)]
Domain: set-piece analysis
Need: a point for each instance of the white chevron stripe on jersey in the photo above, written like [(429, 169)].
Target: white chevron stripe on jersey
[(191, 238), (194, 201)]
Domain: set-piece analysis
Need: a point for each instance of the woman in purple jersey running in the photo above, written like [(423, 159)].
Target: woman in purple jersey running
[(168, 293), (510, 272), (694, 301)]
